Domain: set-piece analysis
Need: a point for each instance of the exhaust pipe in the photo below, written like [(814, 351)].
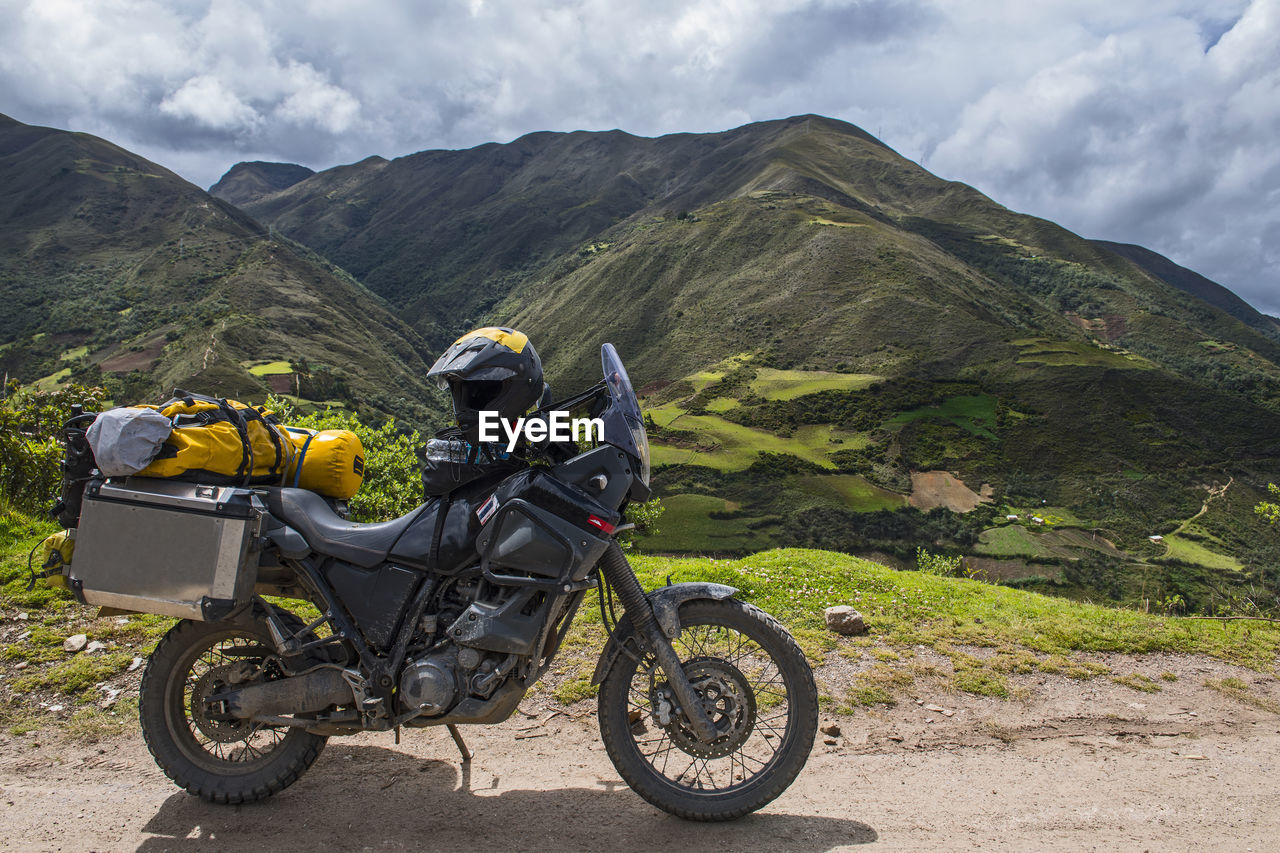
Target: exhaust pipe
[(300, 694)]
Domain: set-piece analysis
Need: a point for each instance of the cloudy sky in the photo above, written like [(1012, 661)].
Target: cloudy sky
[(1147, 121)]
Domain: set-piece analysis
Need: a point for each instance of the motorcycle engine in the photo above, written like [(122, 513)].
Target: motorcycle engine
[(430, 684)]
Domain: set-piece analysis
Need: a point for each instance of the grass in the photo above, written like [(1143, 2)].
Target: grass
[(974, 413), (727, 446), (271, 368), (687, 525), (788, 384), (1191, 551), (1064, 353), (852, 490), (908, 609), (1011, 540), (51, 382), (1238, 689)]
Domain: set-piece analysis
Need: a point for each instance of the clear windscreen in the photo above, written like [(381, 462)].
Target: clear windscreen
[(624, 425)]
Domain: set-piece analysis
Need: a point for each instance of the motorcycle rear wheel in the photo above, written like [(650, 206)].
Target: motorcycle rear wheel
[(217, 760), (759, 691)]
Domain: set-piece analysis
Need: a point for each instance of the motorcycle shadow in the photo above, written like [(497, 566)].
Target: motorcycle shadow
[(368, 797)]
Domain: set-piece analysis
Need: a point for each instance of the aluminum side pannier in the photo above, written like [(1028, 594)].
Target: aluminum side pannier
[(167, 547)]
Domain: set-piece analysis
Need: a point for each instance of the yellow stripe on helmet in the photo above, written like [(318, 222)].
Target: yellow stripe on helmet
[(509, 338)]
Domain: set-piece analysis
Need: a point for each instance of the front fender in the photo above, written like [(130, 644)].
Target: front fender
[(665, 601)]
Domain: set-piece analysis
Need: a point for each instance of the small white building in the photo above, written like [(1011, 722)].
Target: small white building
[(1010, 518), (1037, 519), (1156, 538)]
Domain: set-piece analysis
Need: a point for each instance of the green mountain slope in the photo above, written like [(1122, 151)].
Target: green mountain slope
[(1194, 283), (248, 181), (1013, 360), (114, 269)]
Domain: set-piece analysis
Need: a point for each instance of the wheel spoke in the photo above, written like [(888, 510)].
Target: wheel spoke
[(729, 668)]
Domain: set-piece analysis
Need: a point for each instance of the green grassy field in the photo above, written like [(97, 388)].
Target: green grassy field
[(1191, 551), (788, 384), (974, 413), (736, 446), (687, 526), (270, 368), (852, 490), (1012, 540)]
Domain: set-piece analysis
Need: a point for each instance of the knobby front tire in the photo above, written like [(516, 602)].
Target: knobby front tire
[(216, 760), (759, 690)]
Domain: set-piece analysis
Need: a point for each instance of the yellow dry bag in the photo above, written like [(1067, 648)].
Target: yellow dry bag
[(222, 442), (330, 461)]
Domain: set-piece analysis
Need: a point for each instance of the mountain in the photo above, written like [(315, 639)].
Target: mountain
[(1195, 284), (837, 346), (248, 181), (113, 269)]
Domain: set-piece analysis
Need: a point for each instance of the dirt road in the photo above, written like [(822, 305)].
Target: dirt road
[(1073, 765)]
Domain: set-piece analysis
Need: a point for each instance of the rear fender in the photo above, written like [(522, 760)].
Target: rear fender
[(665, 602)]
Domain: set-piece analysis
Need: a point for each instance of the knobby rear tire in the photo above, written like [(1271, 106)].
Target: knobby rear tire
[(172, 736), (623, 699)]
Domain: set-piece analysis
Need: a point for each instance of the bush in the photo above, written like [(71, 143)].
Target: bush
[(939, 564), (392, 477), (30, 450)]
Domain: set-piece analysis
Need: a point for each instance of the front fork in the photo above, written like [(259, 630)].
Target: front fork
[(618, 572)]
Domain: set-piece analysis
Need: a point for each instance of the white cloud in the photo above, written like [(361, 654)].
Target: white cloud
[(1150, 122), (207, 101)]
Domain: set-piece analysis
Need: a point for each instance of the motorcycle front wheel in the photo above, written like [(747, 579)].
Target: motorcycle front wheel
[(219, 760), (759, 691)]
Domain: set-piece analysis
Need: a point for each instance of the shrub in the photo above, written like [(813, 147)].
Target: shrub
[(392, 478), (30, 452)]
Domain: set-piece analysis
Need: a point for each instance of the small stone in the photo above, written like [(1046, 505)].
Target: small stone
[(23, 617), (95, 646), (829, 741), (24, 635), (53, 709), (134, 664), (843, 619), (940, 710), (75, 643), (831, 730), (21, 665), (110, 697)]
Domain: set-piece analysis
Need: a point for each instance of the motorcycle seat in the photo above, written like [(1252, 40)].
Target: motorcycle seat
[(364, 545)]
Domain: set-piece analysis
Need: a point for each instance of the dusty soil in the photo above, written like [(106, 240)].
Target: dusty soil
[(1072, 765), (931, 489)]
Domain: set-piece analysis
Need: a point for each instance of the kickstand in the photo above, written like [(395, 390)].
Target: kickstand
[(462, 744)]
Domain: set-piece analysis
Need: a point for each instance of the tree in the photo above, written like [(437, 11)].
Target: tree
[(1268, 510)]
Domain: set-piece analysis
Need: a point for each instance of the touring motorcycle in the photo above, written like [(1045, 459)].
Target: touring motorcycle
[(445, 616)]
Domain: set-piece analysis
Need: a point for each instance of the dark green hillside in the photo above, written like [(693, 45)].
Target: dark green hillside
[(1195, 284), (114, 270), (248, 181)]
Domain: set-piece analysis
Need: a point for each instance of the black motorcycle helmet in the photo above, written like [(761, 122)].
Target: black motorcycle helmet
[(491, 369)]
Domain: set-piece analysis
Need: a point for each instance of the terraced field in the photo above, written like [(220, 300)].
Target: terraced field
[(1061, 353)]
